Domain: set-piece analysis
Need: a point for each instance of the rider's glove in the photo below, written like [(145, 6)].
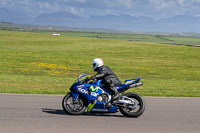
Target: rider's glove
[(93, 77), (87, 79), (90, 78)]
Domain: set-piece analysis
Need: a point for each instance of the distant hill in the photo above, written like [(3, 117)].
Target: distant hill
[(59, 19), (11, 16), (58, 16), (4, 22), (11, 26), (181, 19), (121, 22), (175, 24), (121, 18)]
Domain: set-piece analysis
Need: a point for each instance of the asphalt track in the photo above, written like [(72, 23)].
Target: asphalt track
[(44, 114)]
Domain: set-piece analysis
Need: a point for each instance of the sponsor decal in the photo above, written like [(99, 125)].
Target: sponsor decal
[(84, 91), (94, 89), (90, 106), (100, 110), (80, 89), (80, 86), (128, 82), (94, 94)]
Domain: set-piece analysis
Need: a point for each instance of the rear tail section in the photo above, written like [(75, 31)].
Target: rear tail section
[(131, 83)]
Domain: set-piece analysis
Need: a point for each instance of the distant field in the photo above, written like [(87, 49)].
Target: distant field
[(174, 40), (46, 64)]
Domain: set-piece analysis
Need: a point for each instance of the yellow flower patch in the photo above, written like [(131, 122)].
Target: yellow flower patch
[(54, 66)]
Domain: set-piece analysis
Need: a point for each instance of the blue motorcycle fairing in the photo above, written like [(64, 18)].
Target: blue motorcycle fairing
[(127, 83), (100, 107), (134, 80), (89, 91), (92, 90)]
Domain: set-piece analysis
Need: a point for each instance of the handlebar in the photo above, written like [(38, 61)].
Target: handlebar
[(83, 81)]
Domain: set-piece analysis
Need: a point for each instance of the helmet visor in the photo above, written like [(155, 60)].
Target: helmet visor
[(93, 65)]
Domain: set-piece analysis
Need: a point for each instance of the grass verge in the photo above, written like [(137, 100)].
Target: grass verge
[(45, 64)]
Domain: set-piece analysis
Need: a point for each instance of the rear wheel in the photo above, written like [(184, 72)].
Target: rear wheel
[(71, 107), (136, 108)]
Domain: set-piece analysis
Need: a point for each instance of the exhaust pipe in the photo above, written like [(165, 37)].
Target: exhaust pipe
[(136, 85)]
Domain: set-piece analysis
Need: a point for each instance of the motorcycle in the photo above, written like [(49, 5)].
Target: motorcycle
[(94, 97)]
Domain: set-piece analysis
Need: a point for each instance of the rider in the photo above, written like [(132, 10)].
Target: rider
[(105, 73)]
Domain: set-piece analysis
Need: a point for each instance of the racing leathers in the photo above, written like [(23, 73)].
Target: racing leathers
[(109, 79)]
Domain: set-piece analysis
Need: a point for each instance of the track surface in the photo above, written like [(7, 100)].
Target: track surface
[(44, 114)]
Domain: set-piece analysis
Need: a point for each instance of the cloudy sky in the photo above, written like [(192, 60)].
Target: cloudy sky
[(85, 8)]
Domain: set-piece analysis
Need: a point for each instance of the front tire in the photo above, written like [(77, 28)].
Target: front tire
[(71, 107), (138, 110)]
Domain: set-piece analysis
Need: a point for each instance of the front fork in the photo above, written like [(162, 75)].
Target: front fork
[(75, 96)]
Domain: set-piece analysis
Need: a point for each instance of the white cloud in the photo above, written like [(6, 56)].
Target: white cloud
[(119, 3), (129, 4), (198, 1), (82, 1), (44, 5), (181, 2), (161, 4), (4, 2), (71, 10), (155, 8)]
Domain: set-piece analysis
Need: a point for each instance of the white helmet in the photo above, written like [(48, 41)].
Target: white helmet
[(96, 63)]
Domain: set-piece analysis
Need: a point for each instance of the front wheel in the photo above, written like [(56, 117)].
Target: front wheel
[(136, 108), (72, 107)]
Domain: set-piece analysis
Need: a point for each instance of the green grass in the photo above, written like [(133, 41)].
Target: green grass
[(45, 64), (173, 40)]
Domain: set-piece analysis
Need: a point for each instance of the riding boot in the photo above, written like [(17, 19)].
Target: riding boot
[(115, 94), (115, 97)]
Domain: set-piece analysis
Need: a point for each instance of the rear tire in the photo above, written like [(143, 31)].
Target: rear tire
[(73, 108), (126, 111)]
